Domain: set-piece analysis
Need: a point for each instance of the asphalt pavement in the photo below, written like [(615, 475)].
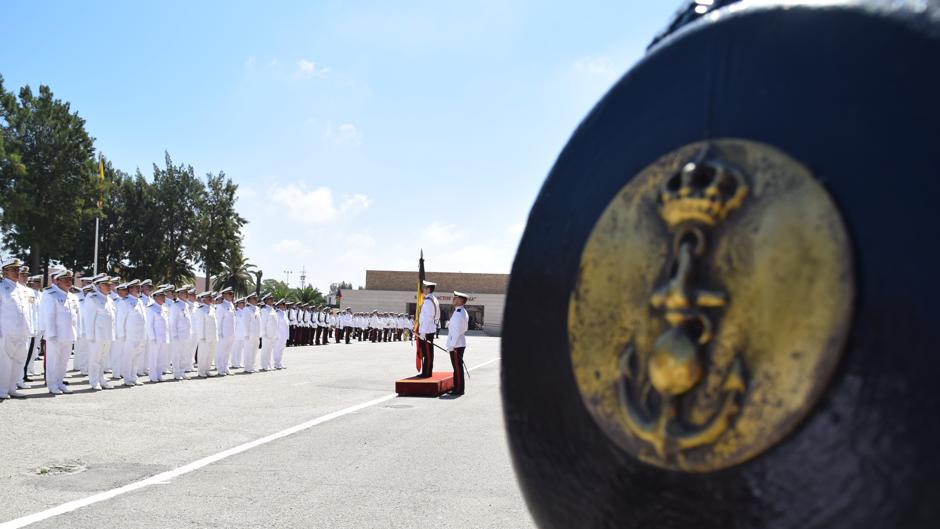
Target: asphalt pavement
[(321, 444)]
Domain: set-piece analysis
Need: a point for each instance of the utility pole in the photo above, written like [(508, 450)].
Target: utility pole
[(303, 277), (288, 273)]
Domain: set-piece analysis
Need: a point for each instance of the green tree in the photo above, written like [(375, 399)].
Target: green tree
[(235, 273), (308, 294), (135, 236), (177, 193), (219, 226), (79, 255), (47, 193), (278, 289), (345, 285)]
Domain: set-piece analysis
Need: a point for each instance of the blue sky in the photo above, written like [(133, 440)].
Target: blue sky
[(337, 118)]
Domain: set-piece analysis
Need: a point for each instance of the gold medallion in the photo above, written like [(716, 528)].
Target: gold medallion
[(712, 304)]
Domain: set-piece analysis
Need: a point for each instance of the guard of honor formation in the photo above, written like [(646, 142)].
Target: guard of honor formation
[(131, 329)]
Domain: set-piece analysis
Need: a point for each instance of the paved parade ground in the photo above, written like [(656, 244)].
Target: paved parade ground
[(323, 443)]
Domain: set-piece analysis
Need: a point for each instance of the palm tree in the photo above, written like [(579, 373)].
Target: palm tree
[(308, 294), (236, 273)]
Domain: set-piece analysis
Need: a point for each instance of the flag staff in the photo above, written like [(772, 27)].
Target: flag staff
[(98, 216)]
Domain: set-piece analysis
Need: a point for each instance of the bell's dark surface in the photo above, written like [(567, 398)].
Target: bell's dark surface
[(723, 312)]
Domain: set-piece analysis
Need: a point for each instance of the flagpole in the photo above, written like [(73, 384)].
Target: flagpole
[(98, 215), (97, 220)]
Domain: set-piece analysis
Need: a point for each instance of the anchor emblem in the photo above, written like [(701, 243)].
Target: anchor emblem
[(652, 391)]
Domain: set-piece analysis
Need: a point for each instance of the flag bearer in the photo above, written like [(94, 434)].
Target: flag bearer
[(427, 327)]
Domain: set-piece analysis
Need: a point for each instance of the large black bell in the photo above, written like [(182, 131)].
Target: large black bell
[(721, 313)]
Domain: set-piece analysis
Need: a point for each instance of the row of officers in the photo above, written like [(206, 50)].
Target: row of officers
[(133, 329)]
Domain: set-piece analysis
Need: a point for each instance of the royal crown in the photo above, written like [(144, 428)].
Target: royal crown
[(704, 192)]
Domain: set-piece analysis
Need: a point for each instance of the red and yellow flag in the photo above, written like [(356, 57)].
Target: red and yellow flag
[(420, 301)]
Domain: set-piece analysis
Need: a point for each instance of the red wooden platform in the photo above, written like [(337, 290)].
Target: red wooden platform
[(437, 384)]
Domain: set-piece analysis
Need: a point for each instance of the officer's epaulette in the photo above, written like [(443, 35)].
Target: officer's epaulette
[(47, 288), (459, 310)]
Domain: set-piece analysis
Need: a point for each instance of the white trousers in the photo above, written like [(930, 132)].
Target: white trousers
[(267, 347), (206, 354), (57, 361), (251, 353), (223, 352), (13, 351), (133, 358), (238, 352), (98, 351), (182, 356), (115, 361), (279, 353), (81, 356), (156, 360)]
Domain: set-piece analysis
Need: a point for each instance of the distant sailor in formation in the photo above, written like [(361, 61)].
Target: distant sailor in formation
[(129, 329)]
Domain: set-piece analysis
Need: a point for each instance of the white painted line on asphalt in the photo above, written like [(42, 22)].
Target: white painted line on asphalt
[(165, 477)]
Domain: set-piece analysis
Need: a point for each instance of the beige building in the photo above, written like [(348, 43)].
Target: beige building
[(395, 291)]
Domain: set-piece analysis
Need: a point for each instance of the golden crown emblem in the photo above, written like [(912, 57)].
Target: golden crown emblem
[(704, 192)]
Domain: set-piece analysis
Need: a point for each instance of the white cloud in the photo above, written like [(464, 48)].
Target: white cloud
[(595, 66), (347, 133), (306, 206), (317, 206), (291, 247), (244, 193), (360, 240), (306, 68), (437, 233), (250, 61), (355, 203)]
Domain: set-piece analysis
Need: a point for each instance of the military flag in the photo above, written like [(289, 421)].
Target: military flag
[(420, 299)]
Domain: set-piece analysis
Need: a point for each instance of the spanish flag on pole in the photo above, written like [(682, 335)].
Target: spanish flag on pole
[(420, 299)]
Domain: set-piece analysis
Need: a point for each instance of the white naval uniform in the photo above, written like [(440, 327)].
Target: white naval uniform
[(250, 351), (113, 362), (59, 315), (16, 325), (269, 330), (131, 329), (158, 339), (225, 314), (116, 356), (98, 326), (457, 328), (181, 338), (241, 336), (206, 331), (283, 332), (429, 316)]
